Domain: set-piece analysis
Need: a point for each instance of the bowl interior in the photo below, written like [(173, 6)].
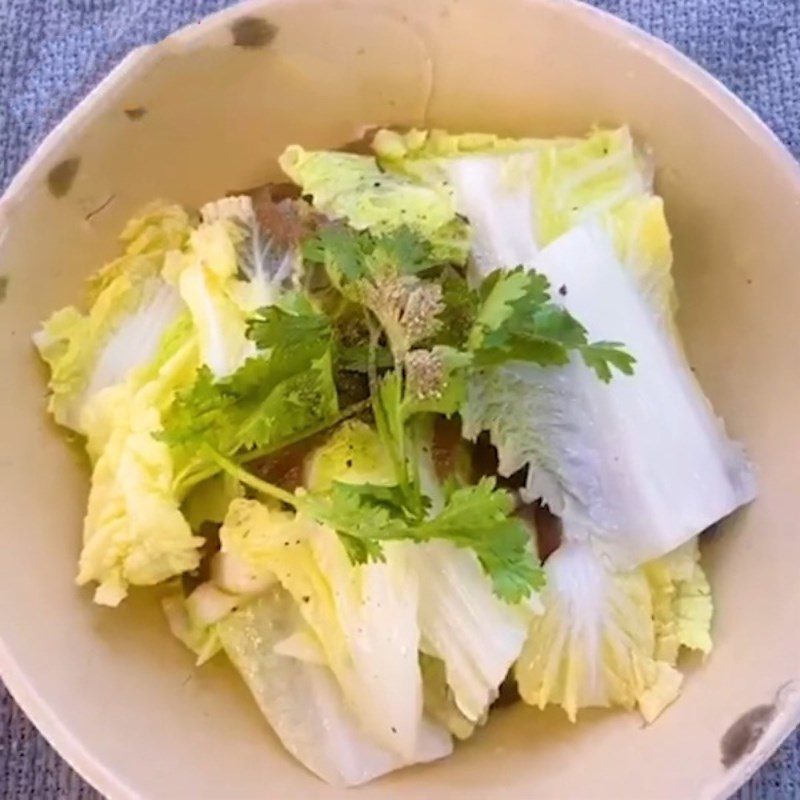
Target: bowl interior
[(206, 112)]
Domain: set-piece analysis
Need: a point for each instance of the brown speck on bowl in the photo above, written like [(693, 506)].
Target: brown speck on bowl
[(253, 32), (135, 113), (61, 176), (743, 736)]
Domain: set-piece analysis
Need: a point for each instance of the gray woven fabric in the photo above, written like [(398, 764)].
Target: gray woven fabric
[(53, 51)]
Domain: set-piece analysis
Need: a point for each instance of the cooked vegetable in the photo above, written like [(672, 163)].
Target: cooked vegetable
[(132, 309), (284, 389), (368, 517), (650, 466), (521, 194), (595, 644), (304, 703), (682, 605), (134, 531), (363, 617), (330, 424), (354, 188)]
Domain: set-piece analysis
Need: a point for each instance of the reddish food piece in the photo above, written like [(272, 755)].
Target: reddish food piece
[(508, 693), (285, 467), (363, 145), (446, 446), (484, 464), (282, 212), (270, 192), (287, 222), (484, 458), (210, 547), (352, 387), (285, 190), (546, 524)]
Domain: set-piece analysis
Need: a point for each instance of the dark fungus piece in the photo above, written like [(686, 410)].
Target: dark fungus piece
[(743, 736), (508, 694), (271, 192), (62, 175), (253, 32), (209, 531), (362, 146), (547, 526), (3, 287)]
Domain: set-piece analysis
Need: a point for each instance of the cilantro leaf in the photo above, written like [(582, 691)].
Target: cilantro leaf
[(261, 404), (363, 516), (600, 356), (300, 402), (500, 295), (275, 326), (338, 249), (475, 517), (459, 310), (349, 255), (517, 321), (479, 517), (195, 410), (387, 497), (286, 388), (406, 252)]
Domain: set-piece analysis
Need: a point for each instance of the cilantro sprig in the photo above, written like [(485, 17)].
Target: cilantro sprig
[(284, 391), (518, 321), (367, 517), (425, 330), (417, 329), (286, 387), (348, 255)]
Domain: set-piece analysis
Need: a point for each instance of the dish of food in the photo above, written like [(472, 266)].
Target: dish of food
[(403, 437)]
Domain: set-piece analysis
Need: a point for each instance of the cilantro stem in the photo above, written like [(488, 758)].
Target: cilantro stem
[(402, 458), (350, 411), (372, 361), (192, 475), (248, 479)]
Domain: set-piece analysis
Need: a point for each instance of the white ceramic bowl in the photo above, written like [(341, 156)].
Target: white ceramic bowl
[(207, 111)]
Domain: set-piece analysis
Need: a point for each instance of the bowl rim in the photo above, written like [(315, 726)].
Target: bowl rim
[(604, 23)]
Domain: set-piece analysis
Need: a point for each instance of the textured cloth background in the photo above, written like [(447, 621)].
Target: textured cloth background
[(53, 51)]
